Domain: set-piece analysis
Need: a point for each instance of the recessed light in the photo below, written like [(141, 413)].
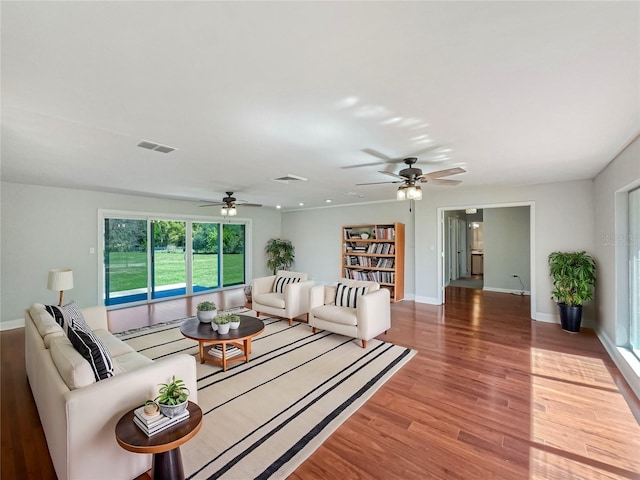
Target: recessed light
[(278, 206), (301, 204), (328, 200)]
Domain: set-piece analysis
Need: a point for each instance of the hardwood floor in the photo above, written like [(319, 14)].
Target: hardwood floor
[(490, 394)]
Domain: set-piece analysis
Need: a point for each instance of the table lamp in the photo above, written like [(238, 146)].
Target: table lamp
[(60, 279)]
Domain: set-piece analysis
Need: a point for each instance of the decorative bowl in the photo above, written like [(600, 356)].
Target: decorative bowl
[(173, 410)]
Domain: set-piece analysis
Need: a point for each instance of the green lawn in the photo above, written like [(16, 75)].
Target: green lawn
[(128, 270)]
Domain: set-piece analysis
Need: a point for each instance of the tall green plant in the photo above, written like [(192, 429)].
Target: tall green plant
[(280, 254), (574, 276)]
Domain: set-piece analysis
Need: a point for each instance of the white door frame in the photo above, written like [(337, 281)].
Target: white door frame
[(442, 281)]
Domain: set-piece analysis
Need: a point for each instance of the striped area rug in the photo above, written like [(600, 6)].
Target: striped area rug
[(264, 418)]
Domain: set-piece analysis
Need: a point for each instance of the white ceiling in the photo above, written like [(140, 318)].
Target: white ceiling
[(521, 92)]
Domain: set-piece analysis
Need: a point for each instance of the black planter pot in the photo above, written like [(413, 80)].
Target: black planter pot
[(570, 317)]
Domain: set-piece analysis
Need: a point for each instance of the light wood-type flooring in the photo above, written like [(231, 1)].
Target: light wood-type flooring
[(490, 394)]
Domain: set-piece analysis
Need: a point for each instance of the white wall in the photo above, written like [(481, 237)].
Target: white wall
[(611, 237), (506, 248), (46, 227), (317, 236)]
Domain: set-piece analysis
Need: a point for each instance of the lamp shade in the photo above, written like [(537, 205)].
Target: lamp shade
[(60, 279)]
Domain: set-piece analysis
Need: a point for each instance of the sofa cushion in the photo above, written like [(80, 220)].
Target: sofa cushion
[(281, 282), (93, 350), (348, 296), (115, 346), (129, 362), (335, 314), (73, 368), (275, 300), (44, 322)]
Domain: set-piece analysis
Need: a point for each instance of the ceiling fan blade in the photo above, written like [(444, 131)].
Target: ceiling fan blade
[(363, 165), (377, 154), (444, 182), (391, 174), (374, 183), (212, 205), (441, 173), (248, 204)]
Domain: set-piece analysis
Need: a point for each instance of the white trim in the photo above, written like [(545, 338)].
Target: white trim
[(12, 324), (626, 362), (546, 317), (428, 300), (505, 290)]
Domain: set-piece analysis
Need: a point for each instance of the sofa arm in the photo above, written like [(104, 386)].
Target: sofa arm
[(96, 317), (316, 296), (93, 411), (374, 314), (296, 297), (262, 285)]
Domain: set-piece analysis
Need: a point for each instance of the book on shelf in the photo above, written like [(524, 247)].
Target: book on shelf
[(231, 351), (162, 423)]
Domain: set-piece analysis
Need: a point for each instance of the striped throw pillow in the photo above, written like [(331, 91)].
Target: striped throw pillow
[(281, 282), (67, 316), (348, 296), (92, 349)]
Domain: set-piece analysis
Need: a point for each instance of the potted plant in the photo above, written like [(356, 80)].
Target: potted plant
[(280, 254), (574, 276), (234, 321), (223, 324), (172, 397), (247, 293), (206, 311)]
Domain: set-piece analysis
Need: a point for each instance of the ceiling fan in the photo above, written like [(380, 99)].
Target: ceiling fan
[(411, 175), (228, 205)]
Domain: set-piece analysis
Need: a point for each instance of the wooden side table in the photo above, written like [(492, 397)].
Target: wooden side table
[(165, 446)]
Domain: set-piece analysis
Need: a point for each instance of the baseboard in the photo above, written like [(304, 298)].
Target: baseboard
[(505, 290), (429, 300), (547, 317), (12, 324)]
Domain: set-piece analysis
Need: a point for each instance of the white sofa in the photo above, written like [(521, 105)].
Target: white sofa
[(370, 318), (291, 303), (77, 413)]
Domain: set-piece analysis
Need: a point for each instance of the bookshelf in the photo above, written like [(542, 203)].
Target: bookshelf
[(379, 257)]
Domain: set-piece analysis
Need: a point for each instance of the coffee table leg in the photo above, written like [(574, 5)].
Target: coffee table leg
[(167, 465), (247, 349), (201, 345)]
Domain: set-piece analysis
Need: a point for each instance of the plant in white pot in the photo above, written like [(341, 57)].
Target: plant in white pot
[(206, 311), (223, 324), (574, 277), (172, 397), (234, 321)]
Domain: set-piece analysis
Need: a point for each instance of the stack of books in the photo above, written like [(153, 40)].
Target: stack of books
[(231, 351), (156, 424)]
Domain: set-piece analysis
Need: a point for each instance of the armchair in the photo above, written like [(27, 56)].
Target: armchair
[(370, 317), (284, 295)]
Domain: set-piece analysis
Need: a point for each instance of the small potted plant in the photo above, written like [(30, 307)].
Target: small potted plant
[(247, 293), (574, 276), (223, 324), (172, 397), (234, 321), (206, 311)]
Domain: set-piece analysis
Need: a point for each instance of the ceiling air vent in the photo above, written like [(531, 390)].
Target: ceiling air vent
[(289, 177), (156, 146)]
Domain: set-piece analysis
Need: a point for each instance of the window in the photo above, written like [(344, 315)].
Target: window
[(147, 259), (634, 271)]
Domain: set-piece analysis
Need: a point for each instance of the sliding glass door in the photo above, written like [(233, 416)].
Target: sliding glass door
[(634, 271), (168, 259), (125, 260), (147, 259)]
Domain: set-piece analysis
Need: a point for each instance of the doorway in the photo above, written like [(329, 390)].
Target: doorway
[(506, 245)]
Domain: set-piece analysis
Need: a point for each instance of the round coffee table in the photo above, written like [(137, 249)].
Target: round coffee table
[(239, 338), (165, 445)]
